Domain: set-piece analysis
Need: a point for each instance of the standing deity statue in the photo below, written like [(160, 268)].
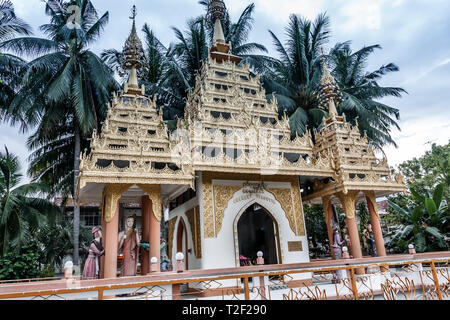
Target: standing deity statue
[(91, 265), (368, 235), (129, 240), (337, 244), (164, 258)]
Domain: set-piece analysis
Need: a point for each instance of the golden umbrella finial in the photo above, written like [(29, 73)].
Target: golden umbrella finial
[(216, 10), (330, 94), (133, 50)]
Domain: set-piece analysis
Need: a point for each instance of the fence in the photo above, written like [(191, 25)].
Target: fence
[(401, 277)]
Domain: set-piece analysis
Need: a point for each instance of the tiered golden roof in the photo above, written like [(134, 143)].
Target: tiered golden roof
[(230, 126)]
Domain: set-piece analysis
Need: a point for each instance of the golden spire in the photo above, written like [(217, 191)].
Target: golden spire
[(133, 55), (215, 16), (329, 92)]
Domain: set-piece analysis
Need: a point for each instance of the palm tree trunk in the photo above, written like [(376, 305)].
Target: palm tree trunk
[(76, 208)]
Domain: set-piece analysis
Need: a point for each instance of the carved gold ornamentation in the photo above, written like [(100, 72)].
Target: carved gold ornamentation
[(193, 216), (112, 194), (154, 193), (348, 203), (222, 195), (208, 213), (298, 207), (284, 197), (370, 195)]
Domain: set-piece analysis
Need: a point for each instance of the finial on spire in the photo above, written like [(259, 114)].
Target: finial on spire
[(215, 16), (329, 92), (133, 55), (133, 13), (216, 11)]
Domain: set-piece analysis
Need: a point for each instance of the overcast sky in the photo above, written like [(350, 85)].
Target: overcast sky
[(414, 34)]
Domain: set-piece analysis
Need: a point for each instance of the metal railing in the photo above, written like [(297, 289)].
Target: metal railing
[(418, 277)]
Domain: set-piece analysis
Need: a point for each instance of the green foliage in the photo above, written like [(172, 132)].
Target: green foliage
[(47, 272), (10, 65), (428, 187), (425, 223), (23, 264), (425, 173), (295, 78), (317, 231), (22, 212), (362, 92)]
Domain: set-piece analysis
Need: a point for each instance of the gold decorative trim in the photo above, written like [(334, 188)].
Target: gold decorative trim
[(298, 207), (348, 203), (370, 196), (193, 216), (112, 194), (208, 214), (154, 193), (222, 195)]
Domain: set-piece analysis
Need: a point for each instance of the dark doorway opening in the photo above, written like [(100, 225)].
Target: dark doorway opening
[(257, 231)]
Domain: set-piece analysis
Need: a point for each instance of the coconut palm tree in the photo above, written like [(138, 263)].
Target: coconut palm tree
[(10, 65), (22, 212), (361, 91), (65, 85), (295, 76)]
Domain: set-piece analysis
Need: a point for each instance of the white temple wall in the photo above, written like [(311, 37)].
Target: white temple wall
[(180, 211), (222, 251)]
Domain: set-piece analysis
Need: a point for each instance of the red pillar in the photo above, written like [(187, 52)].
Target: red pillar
[(111, 245), (145, 262), (376, 227), (155, 237), (348, 203)]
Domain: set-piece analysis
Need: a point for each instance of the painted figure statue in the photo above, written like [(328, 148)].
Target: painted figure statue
[(129, 239), (91, 265), (370, 241), (337, 244), (164, 258)]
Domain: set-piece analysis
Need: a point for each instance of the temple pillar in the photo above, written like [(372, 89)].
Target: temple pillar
[(145, 255), (111, 245), (328, 211), (348, 203), (155, 238), (102, 258), (155, 215), (376, 227)]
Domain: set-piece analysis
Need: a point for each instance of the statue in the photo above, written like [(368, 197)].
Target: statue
[(337, 244), (129, 239), (164, 258), (91, 265), (369, 239)]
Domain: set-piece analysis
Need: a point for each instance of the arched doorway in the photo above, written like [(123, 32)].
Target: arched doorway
[(182, 242), (258, 231)]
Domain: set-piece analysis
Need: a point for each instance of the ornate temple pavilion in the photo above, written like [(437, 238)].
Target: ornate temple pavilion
[(231, 176)]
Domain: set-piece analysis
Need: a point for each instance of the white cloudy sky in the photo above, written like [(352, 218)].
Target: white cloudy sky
[(414, 34)]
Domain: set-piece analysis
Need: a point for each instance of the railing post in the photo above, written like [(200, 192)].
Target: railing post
[(176, 288), (436, 280), (354, 287), (246, 290), (153, 264), (100, 294), (262, 285)]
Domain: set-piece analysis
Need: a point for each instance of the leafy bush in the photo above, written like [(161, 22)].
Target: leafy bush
[(48, 271), (23, 265)]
